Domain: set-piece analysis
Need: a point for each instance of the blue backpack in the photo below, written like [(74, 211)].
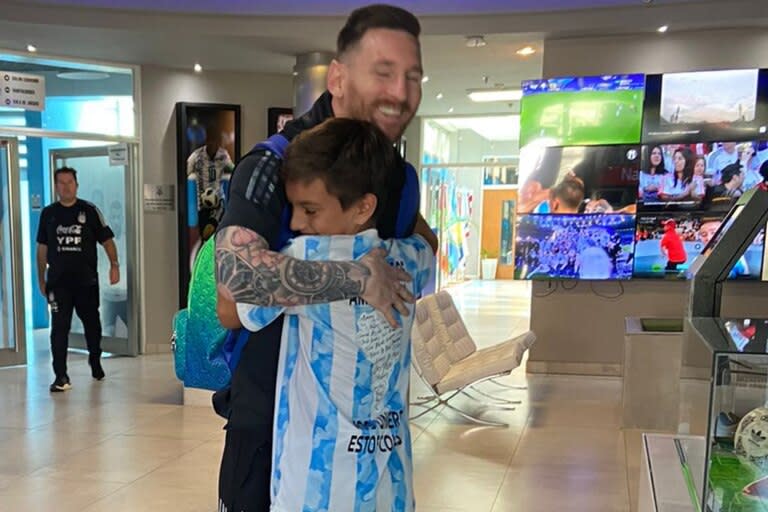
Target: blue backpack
[(205, 353)]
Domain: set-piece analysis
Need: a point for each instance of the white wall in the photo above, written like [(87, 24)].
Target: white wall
[(161, 88), (579, 331)]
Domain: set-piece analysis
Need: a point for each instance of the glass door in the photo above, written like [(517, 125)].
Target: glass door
[(104, 176), (12, 341)]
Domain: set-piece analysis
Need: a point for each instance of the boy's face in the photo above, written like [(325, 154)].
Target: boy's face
[(317, 212)]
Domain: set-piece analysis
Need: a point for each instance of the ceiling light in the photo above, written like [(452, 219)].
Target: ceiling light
[(662, 29), (31, 48), (450, 110), (486, 95), (439, 96), (526, 51), (295, 73), (198, 68), (475, 42), (82, 75), (425, 79)]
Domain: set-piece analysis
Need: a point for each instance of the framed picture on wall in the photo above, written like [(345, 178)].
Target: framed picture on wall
[(207, 147), (276, 119)]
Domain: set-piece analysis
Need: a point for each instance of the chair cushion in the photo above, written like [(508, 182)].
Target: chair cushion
[(429, 352), (451, 328), (495, 360)]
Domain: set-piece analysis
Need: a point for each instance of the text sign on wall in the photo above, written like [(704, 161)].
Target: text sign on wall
[(159, 198), (22, 90)]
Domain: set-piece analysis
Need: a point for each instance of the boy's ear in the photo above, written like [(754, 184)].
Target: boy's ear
[(365, 207)]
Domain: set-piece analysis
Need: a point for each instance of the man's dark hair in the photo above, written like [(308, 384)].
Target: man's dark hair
[(351, 157), (729, 171), (764, 171), (64, 170), (375, 16), (570, 191)]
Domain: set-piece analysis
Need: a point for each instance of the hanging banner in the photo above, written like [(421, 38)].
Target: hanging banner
[(22, 90)]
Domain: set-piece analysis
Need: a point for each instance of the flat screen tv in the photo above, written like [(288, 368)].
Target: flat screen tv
[(578, 179), (574, 111), (589, 247), (690, 176), (667, 244), (706, 105)]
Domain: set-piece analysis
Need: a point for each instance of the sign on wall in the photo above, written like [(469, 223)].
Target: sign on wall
[(22, 90)]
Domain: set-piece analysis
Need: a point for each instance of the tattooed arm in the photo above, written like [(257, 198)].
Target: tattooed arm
[(248, 272)]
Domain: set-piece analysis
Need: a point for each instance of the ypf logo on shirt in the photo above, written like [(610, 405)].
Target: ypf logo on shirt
[(69, 238), (81, 217)]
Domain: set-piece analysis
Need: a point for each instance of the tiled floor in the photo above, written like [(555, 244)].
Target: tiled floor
[(126, 444)]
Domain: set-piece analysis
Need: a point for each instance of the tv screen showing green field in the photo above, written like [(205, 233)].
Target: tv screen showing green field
[(578, 111)]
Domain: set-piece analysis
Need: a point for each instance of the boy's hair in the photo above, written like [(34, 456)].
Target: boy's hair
[(351, 157), (64, 170), (375, 16), (729, 171)]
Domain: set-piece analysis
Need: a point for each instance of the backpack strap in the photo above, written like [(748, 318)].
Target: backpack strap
[(275, 143), (409, 203)]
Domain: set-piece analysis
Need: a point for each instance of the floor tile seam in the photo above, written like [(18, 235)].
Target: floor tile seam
[(509, 464)]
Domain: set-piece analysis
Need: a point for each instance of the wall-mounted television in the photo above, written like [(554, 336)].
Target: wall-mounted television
[(591, 247), (667, 244), (698, 176), (706, 105), (578, 179), (574, 111)]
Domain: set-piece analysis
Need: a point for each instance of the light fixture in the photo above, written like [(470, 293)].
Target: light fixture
[(82, 75), (475, 42), (526, 51), (439, 96), (662, 29), (295, 73), (487, 95), (424, 79), (198, 68), (31, 48), (450, 110)]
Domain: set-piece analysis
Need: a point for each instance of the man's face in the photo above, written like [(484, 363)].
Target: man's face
[(66, 187), (316, 212), (379, 80), (707, 231), (737, 180), (729, 147)]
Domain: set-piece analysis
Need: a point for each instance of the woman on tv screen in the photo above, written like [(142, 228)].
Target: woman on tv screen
[(678, 185), (652, 179)]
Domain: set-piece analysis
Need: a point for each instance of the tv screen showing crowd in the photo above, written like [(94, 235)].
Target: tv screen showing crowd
[(627, 176)]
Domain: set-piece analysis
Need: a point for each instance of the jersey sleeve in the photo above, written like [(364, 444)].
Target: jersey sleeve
[(42, 234), (256, 196), (255, 318), (424, 260), (101, 230)]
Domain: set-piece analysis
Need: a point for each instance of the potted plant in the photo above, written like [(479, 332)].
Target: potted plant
[(488, 262)]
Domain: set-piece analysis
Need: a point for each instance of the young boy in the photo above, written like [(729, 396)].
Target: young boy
[(341, 437)]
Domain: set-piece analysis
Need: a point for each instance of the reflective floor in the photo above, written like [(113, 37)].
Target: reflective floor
[(126, 444)]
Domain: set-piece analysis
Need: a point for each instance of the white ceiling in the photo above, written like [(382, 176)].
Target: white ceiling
[(164, 33), (493, 128)]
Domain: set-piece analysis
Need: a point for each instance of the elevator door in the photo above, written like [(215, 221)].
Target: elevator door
[(12, 339), (106, 184)]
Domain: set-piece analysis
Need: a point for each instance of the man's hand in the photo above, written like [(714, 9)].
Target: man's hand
[(384, 288), (114, 274), (41, 286)]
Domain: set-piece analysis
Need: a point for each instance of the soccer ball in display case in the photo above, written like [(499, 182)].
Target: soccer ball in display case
[(751, 440), (209, 199)]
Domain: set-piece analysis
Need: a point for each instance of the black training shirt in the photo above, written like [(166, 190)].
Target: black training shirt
[(71, 234)]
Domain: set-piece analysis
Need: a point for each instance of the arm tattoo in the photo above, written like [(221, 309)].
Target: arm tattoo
[(255, 275)]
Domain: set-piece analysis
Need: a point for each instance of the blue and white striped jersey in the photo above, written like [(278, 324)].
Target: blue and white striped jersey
[(342, 441)]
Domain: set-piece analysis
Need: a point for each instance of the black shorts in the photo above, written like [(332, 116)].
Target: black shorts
[(245, 474)]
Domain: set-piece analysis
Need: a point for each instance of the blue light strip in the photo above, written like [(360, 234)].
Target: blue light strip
[(585, 83)]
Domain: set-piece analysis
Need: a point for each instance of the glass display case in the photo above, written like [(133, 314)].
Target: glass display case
[(735, 455)]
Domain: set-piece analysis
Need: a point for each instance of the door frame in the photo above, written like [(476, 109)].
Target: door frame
[(18, 354), (130, 346)]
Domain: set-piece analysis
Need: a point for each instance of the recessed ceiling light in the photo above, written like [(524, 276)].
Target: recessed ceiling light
[(526, 51), (425, 79), (295, 73), (439, 96), (31, 48), (476, 41), (450, 110), (662, 28), (198, 68), (487, 95), (82, 75)]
